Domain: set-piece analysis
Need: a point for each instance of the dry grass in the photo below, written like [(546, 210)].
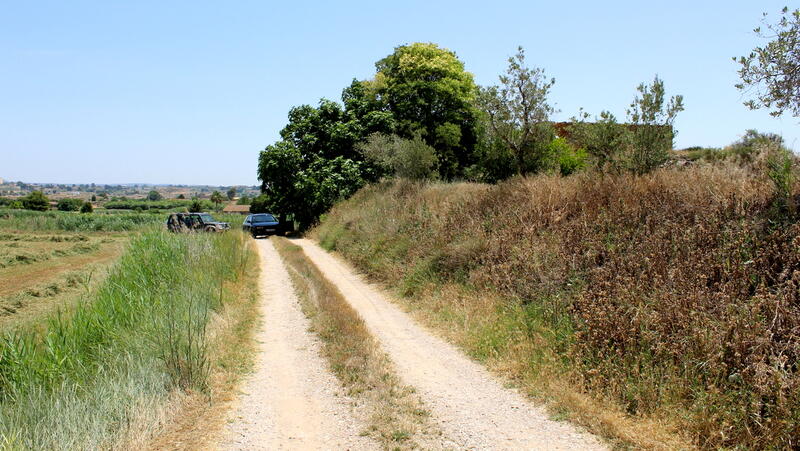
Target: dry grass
[(667, 304), (397, 418)]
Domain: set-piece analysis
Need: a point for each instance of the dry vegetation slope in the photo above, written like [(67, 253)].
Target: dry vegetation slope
[(672, 295)]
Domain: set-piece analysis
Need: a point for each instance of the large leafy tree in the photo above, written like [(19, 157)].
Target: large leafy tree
[(278, 166), (518, 111), (427, 90), (325, 131), (773, 70)]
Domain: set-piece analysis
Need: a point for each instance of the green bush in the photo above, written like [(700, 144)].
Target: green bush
[(408, 158), (570, 159), (36, 201), (69, 204), (87, 207)]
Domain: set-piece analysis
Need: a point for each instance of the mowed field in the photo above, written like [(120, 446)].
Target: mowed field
[(43, 271), (49, 259)]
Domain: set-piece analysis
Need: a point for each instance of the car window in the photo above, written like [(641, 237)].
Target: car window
[(264, 218)]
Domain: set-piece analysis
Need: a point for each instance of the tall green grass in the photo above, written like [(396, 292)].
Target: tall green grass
[(75, 222), (104, 370)]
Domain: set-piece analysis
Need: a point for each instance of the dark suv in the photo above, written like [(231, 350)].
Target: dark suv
[(199, 222), (262, 224)]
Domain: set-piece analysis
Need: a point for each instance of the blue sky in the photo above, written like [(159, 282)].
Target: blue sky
[(189, 92)]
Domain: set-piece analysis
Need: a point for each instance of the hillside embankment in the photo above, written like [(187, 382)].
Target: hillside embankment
[(660, 311)]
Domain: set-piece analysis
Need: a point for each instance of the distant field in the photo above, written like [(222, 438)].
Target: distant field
[(49, 259), (35, 221)]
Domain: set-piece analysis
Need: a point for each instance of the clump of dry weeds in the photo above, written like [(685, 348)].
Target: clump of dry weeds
[(674, 294)]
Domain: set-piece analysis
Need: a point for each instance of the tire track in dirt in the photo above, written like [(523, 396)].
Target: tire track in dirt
[(469, 405), (292, 400)]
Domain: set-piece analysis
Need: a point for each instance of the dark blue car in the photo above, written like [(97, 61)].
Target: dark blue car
[(262, 224)]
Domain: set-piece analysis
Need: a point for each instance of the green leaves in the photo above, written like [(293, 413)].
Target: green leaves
[(518, 109), (772, 72)]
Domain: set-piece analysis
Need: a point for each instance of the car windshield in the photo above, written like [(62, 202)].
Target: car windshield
[(206, 218), (263, 218)]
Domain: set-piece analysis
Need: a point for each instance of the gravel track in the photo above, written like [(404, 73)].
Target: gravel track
[(469, 405), (292, 400)]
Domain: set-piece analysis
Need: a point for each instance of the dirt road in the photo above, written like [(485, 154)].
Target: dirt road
[(291, 401), (469, 405)]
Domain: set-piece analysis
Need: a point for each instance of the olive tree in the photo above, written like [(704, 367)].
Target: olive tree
[(518, 110), (773, 71), (652, 117)]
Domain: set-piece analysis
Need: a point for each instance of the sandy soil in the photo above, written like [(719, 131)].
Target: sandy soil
[(469, 405), (292, 400)]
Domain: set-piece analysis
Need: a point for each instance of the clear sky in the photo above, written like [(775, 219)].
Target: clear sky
[(189, 92)]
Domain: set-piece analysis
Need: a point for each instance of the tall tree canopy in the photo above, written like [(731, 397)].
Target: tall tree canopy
[(427, 90), (419, 90)]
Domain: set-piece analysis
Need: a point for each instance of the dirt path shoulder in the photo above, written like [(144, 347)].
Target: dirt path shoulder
[(291, 401), (469, 405)]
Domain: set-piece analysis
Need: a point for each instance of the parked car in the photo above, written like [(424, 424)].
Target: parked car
[(262, 224), (195, 222)]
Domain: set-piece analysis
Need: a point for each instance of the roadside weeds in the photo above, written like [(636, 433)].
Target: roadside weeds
[(195, 419)]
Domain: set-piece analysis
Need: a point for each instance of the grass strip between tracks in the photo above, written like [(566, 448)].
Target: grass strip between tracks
[(397, 417)]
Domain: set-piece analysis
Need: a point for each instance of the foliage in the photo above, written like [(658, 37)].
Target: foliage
[(196, 206), (142, 204), (231, 194), (125, 350), (16, 205), (243, 200), (36, 201), (87, 207), (652, 119), (744, 152), (408, 158), (216, 198), (427, 90), (323, 183), (774, 69), (278, 166), (69, 204), (707, 344), (605, 140), (569, 159), (261, 204), (181, 196), (518, 111), (94, 198), (154, 195), (781, 172)]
